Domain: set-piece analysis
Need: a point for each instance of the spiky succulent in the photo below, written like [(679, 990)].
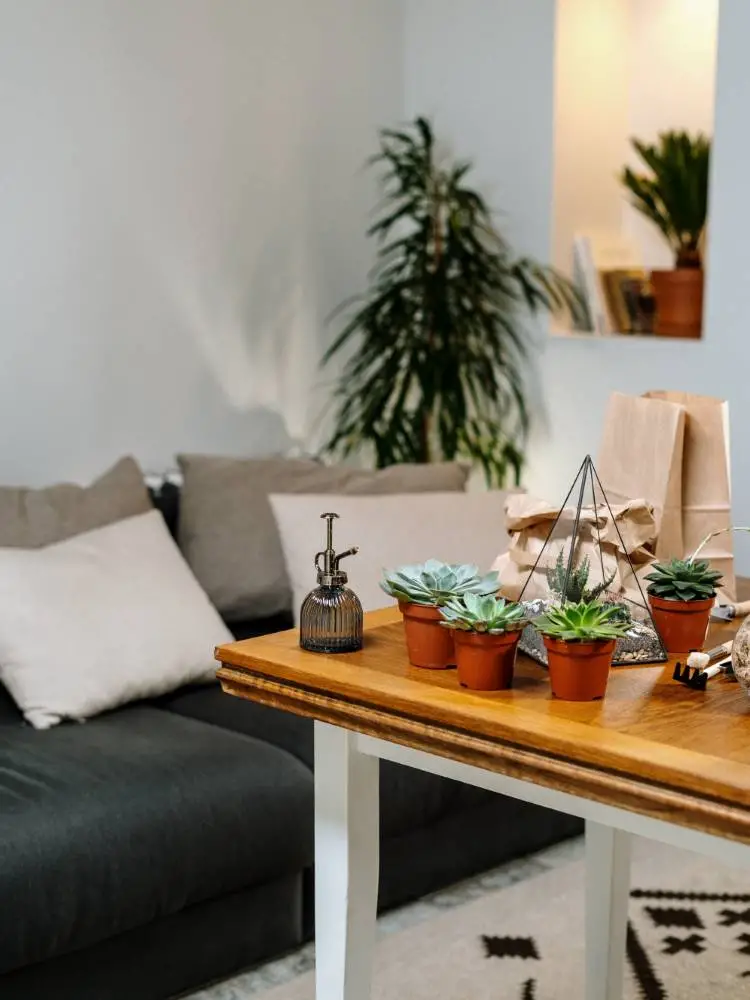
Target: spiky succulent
[(476, 613), (586, 621), (683, 580), (575, 590), (434, 583)]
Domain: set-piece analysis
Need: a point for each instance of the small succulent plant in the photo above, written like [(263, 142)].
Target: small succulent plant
[(586, 621), (683, 580), (575, 589), (434, 583), (477, 613)]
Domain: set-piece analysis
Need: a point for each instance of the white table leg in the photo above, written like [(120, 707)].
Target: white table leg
[(346, 865), (607, 892)]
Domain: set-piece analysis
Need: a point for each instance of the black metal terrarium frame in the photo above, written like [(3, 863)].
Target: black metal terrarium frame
[(642, 644)]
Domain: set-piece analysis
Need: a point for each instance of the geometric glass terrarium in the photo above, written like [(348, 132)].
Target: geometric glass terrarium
[(586, 551)]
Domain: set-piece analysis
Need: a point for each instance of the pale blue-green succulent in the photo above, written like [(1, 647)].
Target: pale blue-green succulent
[(476, 613), (434, 583)]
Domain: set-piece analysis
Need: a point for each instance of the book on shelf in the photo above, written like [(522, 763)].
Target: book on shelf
[(595, 256), (623, 289)]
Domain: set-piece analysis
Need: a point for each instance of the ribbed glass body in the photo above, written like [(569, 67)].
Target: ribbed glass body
[(330, 621)]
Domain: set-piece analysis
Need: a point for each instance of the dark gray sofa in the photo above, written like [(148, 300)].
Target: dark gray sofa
[(168, 844)]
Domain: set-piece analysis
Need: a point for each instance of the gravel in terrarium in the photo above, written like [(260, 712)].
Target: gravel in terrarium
[(641, 644)]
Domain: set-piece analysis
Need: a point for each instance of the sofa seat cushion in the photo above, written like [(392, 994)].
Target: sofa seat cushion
[(409, 799), (134, 816)]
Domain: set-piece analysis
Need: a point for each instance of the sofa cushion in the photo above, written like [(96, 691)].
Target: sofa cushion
[(228, 533), (391, 531), (409, 799), (134, 816), (102, 619), (30, 518)]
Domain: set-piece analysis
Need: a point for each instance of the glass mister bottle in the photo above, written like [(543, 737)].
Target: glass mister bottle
[(331, 615)]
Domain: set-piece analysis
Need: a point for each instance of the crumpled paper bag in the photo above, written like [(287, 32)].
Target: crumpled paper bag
[(529, 521)]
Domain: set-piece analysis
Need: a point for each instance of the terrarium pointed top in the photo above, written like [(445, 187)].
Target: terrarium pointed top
[(583, 554)]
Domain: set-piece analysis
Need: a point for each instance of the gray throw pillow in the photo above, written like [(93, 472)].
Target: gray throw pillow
[(228, 532), (31, 518)]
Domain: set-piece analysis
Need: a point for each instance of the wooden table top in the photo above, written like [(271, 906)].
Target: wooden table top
[(651, 746)]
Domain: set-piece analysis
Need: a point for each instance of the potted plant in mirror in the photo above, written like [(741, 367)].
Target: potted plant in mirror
[(421, 590), (681, 593), (486, 631), (580, 640), (673, 194)]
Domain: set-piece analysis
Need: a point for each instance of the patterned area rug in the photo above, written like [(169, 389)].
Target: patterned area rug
[(688, 939)]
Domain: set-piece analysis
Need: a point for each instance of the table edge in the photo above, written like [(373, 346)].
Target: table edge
[(599, 783)]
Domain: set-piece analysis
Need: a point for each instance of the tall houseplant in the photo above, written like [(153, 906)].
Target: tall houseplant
[(673, 194), (439, 342)]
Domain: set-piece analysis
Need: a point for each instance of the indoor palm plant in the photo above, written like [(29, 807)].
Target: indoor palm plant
[(681, 593), (438, 345), (673, 194), (486, 630), (580, 640), (421, 591)]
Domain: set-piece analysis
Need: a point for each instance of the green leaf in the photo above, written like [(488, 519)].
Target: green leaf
[(674, 193), (435, 351)]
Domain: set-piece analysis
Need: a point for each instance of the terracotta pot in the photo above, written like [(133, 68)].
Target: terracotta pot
[(679, 301), (428, 643), (485, 662), (579, 671), (682, 625)]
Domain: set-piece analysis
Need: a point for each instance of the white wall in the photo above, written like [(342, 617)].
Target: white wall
[(485, 71), (671, 85), (623, 69), (182, 208), (591, 120)]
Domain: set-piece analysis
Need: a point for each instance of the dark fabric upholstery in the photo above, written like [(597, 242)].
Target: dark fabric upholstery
[(464, 842), (166, 498), (134, 816), (408, 798), (455, 847), (292, 733), (177, 953), (261, 626), (9, 713)]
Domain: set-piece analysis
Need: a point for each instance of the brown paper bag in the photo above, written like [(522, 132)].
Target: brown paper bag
[(529, 521), (706, 480), (641, 457)]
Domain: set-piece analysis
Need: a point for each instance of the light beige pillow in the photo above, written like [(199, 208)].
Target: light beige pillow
[(30, 518), (228, 534), (390, 531), (102, 619)]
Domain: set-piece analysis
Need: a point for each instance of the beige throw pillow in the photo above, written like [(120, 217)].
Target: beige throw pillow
[(102, 619), (228, 533), (390, 531), (30, 518)]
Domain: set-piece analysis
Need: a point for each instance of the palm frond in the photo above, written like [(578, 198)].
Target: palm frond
[(674, 195), (438, 346)]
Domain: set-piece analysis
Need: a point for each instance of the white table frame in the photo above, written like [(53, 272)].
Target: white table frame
[(347, 858)]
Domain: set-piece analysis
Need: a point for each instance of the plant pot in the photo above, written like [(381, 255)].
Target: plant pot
[(428, 643), (485, 662), (579, 671), (679, 302), (682, 625)]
